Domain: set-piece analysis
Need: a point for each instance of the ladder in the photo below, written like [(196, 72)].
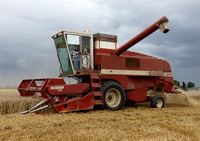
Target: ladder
[(96, 87)]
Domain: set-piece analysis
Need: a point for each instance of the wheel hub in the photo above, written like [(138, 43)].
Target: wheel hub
[(159, 103), (110, 98), (113, 97)]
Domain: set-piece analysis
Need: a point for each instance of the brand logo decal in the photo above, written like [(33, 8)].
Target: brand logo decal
[(155, 73), (57, 87)]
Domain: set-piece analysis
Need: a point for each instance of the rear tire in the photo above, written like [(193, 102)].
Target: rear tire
[(114, 95), (157, 102)]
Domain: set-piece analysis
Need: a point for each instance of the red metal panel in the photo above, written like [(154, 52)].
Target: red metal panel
[(130, 83), (76, 104), (169, 79), (136, 54), (99, 52), (166, 66), (144, 82), (112, 62), (50, 81), (119, 79), (137, 95), (146, 63), (151, 64), (67, 89)]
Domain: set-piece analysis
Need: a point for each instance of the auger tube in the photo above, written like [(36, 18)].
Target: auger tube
[(158, 24)]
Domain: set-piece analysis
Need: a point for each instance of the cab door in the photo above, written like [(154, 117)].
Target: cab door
[(63, 56), (85, 52)]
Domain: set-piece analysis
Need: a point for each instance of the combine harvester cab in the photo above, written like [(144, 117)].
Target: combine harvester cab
[(106, 75)]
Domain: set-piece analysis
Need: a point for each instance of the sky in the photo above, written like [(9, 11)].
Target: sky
[(27, 49)]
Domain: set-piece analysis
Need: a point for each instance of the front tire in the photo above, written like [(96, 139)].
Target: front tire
[(157, 102), (114, 95)]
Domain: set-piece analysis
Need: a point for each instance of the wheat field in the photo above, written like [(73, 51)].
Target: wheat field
[(179, 120)]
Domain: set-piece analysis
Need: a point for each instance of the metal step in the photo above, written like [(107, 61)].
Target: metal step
[(97, 93), (94, 76), (98, 102), (96, 85)]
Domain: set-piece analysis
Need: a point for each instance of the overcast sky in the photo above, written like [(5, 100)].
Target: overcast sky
[(26, 27)]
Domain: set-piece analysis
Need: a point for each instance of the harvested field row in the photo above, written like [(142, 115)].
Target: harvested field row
[(131, 123), (138, 122)]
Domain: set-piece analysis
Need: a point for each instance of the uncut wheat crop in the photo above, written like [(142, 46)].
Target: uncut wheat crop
[(12, 102)]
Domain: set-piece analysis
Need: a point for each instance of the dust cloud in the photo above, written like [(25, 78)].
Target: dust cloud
[(191, 98)]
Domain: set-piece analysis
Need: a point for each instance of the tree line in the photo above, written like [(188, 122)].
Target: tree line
[(184, 86)]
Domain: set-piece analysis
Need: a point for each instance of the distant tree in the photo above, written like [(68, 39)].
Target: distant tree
[(190, 84), (176, 83), (183, 86), (179, 84)]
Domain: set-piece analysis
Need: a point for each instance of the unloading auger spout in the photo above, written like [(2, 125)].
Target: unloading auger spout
[(160, 24)]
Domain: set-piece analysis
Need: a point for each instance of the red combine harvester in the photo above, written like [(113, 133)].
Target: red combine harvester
[(106, 75)]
